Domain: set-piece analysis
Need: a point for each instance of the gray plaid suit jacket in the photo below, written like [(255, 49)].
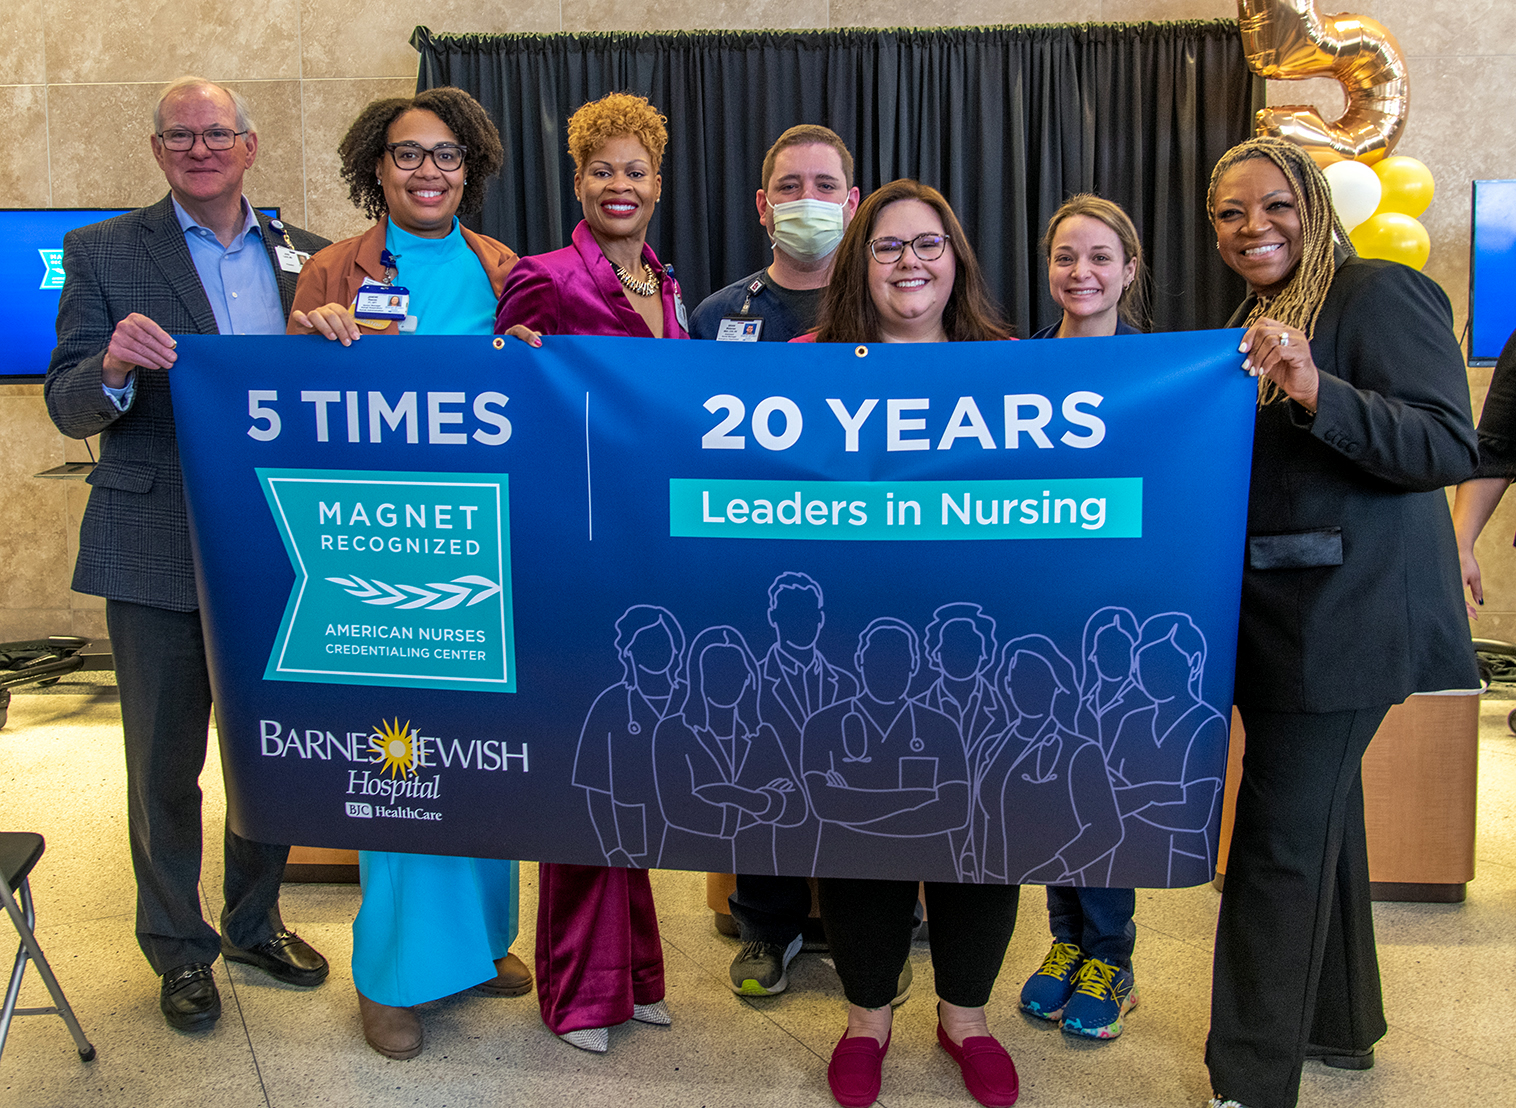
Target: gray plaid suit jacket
[(134, 542)]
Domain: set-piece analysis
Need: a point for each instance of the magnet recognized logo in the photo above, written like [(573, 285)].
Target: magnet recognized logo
[(401, 579), (52, 267)]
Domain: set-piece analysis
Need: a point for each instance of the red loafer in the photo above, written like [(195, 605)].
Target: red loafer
[(988, 1071), (854, 1071)]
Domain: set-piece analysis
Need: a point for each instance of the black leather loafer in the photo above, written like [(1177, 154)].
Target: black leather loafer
[(189, 999), (285, 957), (1340, 1059)]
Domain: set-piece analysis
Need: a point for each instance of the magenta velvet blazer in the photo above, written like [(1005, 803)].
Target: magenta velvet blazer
[(574, 291)]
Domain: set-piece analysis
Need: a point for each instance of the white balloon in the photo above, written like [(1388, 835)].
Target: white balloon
[(1356, 190)]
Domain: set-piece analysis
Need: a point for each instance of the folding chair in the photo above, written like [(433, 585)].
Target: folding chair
[(19, 852)]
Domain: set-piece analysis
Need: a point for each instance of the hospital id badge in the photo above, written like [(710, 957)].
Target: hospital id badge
[(291, 261), (740, 328), (390, 303)]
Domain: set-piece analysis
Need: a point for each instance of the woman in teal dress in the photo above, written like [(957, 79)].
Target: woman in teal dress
[(430, 925)]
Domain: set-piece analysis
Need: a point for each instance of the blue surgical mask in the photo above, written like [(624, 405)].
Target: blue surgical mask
[(807, 230)]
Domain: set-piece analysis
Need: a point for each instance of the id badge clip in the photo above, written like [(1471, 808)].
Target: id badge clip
[(389, 303), (740, 328)]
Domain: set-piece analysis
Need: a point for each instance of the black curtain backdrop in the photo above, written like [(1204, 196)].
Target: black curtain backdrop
[(1006, 121)]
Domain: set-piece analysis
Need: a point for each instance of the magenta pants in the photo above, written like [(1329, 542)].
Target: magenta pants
[(598, 950)]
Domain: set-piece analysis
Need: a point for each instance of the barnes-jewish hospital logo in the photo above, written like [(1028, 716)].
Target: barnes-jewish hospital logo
[(401, 579), (392, 764)]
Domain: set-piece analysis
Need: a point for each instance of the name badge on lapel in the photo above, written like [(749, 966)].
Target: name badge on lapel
[(679, 313), (291, 261)]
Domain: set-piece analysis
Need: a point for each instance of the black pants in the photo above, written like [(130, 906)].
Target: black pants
[(868, 924), (1295, 959), (165, 714), (770, 909)]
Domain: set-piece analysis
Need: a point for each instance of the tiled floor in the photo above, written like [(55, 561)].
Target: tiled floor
[(1448, 980)]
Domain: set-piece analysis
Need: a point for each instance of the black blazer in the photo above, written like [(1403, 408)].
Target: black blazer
[(134, 541), (1351, 597)]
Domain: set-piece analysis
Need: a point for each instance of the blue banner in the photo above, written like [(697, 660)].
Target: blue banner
[(960, 611)]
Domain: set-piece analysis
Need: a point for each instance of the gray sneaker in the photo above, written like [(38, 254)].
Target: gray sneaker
[(759, 968)]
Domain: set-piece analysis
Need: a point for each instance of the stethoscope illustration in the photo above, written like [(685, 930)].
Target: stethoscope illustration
[(855, 736)]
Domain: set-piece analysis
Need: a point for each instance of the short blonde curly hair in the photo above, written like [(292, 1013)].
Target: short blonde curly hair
[(614, 115)]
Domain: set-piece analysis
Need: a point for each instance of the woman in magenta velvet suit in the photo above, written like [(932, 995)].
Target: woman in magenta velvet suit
[(599, 957), (609, 281)]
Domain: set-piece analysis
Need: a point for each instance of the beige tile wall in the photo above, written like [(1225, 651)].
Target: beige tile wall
[(78, 78)]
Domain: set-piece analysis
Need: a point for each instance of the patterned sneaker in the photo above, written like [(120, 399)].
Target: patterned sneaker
[(1048, 990), (759, 968), (1102, 995), (1217, 1102)]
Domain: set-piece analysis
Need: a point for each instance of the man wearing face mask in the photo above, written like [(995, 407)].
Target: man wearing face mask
[(806, 201)]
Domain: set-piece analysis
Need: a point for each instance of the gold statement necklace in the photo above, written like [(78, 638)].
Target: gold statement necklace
[(646, 287)]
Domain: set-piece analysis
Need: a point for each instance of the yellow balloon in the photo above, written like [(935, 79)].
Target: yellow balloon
[(1392, 235), (1407, 186)]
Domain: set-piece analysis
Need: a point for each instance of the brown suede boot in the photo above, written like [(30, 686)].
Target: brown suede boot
[(513, 978), (393, 1032)]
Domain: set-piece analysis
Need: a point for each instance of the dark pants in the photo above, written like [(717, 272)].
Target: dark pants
[(1097, 921), (770, 909), (869, 923), (165, 715), (1295, 960)]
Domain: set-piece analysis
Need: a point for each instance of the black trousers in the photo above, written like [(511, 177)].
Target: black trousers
[(165, 716), (869, 922), (1295, 960), (770, 909)]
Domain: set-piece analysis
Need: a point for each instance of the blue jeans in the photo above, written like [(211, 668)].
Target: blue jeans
[(1097, 921)]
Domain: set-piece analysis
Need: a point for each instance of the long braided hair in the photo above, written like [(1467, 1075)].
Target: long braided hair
[(1300, 301)]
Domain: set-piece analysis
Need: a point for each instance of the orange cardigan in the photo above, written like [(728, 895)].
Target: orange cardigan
[(334, 275)]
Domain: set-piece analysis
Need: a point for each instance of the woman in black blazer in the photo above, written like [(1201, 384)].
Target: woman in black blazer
[(1350, 603)]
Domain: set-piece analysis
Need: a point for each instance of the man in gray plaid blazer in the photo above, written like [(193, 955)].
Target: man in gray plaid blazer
[(200, 261)]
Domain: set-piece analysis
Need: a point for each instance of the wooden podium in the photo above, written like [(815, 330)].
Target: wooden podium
[(314, 865), (1420, 791)]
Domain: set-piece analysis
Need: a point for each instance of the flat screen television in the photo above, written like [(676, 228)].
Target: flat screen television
[(31, 276), (1492, 270)]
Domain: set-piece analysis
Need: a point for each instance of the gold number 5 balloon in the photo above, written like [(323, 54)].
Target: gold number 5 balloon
[(1291, 40)]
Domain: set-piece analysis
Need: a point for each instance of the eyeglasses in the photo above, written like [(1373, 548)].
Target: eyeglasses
[(446, 156), (217, 138), (926, 246)]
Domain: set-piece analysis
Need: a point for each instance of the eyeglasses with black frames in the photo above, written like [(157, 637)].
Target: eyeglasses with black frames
[(216, 138), (928, 246), (446, 156)]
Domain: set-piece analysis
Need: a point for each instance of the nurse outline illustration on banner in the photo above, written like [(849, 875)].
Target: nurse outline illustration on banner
[(1003, 760), (613, 763), (723, 780)]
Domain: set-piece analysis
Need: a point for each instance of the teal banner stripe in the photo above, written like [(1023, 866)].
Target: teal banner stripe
[(1082, 508)]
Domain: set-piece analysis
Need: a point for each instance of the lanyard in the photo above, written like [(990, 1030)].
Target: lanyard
[(391, 264), (752, 290)]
